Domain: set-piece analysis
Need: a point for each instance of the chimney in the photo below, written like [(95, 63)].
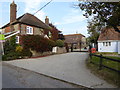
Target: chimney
[(13, 11), (47, 20)]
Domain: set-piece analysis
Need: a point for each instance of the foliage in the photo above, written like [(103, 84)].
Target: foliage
[(56, 34), (25, 52), (10, 45), (19, 48), (37, 43), (13, 51), (108, 12), (59, 43), (94, 31)]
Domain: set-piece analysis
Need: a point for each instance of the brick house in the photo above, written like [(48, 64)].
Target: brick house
[(109, 40), (25, 24), (78, 41)]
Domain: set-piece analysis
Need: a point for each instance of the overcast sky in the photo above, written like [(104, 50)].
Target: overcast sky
[(61, 13)]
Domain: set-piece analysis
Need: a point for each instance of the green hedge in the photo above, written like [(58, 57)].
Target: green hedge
[(59, 43)]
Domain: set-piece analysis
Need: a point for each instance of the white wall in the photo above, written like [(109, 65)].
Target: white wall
[(118, 47), (112, 48)]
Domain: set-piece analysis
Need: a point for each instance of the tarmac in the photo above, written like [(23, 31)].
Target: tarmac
[(70, 67)]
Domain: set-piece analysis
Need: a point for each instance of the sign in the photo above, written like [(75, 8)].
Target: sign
[(2, 37)]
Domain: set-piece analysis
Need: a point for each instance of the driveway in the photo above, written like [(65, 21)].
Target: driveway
[(68, 67)]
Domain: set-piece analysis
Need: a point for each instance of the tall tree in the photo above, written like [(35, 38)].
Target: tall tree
[(108, 12), (94, 29)]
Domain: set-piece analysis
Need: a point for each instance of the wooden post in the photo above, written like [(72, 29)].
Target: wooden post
[(100, 63), (90, 57)]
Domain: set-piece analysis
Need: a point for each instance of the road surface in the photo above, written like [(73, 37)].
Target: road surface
[(14, 77), (70, 67)]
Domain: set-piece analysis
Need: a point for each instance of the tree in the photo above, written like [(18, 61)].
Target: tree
[(108, 12), (94, 30)]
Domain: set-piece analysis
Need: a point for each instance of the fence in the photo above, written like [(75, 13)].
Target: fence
[(101, 65)]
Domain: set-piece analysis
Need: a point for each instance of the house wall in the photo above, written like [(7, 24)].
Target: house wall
[(16, 27), (112, 48), (36, 31), (118, 47)]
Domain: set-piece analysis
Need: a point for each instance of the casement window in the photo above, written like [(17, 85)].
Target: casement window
[(106, 43), (17, 39), (103, 43), (29, 30), (109, 43)]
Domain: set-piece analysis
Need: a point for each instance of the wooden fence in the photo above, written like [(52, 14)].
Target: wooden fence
[(101, 65)]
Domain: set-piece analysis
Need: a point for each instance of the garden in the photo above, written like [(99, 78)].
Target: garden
[(28, 43)]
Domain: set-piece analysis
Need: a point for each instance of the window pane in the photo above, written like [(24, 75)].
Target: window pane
[(109, 43)]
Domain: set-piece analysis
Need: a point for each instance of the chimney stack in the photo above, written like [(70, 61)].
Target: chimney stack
[(47, 20), (13, 11)]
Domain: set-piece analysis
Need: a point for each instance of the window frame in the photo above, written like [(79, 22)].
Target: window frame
[(17, 39), (29, 30)]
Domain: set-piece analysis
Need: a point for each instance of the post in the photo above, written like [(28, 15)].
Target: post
[(100, 63), (90, 57)]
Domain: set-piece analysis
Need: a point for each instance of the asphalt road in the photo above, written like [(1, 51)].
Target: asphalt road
[(14, 77), (70, 67)]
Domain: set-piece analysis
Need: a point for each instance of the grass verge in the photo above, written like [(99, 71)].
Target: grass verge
[(106, 74)]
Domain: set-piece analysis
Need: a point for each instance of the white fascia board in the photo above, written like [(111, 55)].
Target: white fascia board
[(12, 34)]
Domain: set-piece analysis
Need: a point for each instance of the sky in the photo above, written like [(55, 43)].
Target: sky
[(63, 14)]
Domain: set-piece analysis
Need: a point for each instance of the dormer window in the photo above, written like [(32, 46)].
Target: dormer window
[(29, 30)]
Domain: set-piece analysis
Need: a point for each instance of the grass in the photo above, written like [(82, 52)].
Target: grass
[(108, 75), (106, 53)]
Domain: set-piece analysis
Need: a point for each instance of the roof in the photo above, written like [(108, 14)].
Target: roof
[(73, 38), (109, 34), (29, 19)]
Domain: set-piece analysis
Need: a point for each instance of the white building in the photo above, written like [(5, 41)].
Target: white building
[(109, 41)]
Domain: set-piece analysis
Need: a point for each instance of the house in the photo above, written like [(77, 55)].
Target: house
[(77, 41), (109, 40), (23, 25)]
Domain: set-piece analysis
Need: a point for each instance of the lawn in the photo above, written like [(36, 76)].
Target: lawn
[(109, 75)]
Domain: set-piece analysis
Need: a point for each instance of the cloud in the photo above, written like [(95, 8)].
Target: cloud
[(32, 6), (73, 17)]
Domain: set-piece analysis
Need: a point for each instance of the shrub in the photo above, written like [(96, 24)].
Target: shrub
[(37, 43), (59, 43), (10, 45), (19, 48), (26, 52)]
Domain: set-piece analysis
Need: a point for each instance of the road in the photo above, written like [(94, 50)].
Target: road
[(14, 77), (70, 67)]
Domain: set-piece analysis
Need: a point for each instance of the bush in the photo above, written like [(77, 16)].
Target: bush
[(37, 43), (10, 56), (19, 48), (26, 52), (59, 43)]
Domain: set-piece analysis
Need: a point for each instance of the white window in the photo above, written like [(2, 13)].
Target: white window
[(106, 43), (29, 30), (17, 39), (103, 43), (109, 43)]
